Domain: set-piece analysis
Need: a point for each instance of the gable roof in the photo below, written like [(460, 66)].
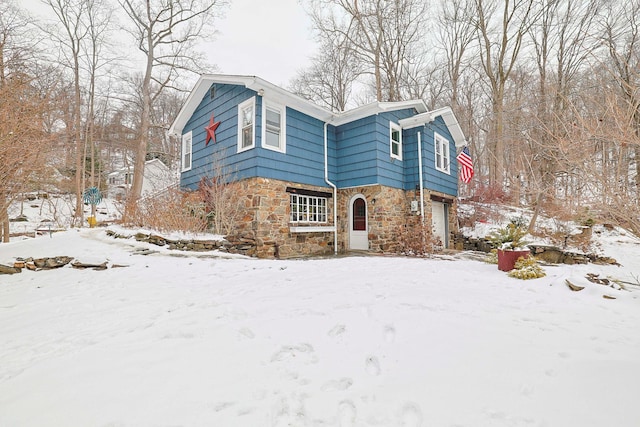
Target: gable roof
[(276, 93), (449, 119)]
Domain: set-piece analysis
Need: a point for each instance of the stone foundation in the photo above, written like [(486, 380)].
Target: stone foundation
[(265, 221), (264, 224)]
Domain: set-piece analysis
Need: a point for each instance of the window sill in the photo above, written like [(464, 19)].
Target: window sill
[(313, 229)]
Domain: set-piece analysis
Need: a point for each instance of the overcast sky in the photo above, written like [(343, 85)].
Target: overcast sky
[(270, 39), (267, 38)]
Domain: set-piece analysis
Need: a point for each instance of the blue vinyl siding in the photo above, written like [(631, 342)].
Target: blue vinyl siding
[(364, 152), (433, 178), (225, 109), (303, 161), (358, 152)]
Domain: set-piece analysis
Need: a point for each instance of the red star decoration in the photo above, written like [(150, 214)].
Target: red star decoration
[(211, 130)]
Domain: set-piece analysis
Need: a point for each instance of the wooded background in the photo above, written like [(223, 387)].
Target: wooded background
[(546, 91)]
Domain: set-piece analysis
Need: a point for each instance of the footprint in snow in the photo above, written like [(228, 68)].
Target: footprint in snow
[(339, 329), (246, 333), (337, 385), (300, 352), (389, 334), (346, 414), (372, 366), (411, 416)]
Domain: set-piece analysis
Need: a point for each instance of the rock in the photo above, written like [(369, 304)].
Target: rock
[(50, 263), (5, 269), (573, 287), (82, 265)]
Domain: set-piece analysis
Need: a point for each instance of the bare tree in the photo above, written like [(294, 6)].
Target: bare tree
[(455, 36), (21, 110), (330, 78), (622, 38), (70, 15), (562, 40), (383, 35), (501, 27), (165, 33)]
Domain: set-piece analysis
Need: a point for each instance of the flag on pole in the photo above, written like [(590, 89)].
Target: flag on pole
[(466, 165)]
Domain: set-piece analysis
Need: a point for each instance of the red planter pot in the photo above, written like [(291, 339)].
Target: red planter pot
[(507, 259)]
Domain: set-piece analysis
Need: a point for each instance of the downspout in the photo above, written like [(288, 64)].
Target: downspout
[(420, 176), (335, 189)]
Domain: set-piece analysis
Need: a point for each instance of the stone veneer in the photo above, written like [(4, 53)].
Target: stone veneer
[(389, 209), (265, 225)]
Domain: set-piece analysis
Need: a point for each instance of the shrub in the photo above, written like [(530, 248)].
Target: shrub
[(173, 210), (509, 237), (417, 240), (527, 268), (492, 257)]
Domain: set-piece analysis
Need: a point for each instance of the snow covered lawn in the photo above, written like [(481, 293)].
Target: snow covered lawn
[(353, 341)]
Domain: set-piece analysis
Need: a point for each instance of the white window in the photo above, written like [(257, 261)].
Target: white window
[(442, 153), (273, 127), (246, 124), (186, 151), (308, 209), (395, 137)]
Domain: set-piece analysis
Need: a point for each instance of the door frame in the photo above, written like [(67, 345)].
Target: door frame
[(444, 210), (358, 239)]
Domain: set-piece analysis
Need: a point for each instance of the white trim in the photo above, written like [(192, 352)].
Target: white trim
[(357, 238), (449, 119), (187, 139), (282, 142), (313, 229), (251, 102), (284, 97), (395, 127), (444, 142)]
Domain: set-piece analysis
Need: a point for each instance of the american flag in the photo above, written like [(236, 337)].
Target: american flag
[(466, 165)]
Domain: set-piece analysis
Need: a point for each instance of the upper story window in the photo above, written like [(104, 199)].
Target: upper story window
[(186, 151), (442, 153), (273, 125), (246, 124), (395, 140)]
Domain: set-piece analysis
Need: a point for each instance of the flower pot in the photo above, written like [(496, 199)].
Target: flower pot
[(507, 259)]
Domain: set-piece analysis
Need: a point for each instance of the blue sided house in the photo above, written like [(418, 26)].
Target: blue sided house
[(311, 181)]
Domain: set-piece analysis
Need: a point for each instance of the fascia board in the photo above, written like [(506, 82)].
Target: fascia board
[(449, 119), (376, 108)]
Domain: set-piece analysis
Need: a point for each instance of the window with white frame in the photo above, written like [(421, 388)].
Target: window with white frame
[(186, 151), (246, 124), (310, 209), (395, 137), (273, 127), (442, 153)]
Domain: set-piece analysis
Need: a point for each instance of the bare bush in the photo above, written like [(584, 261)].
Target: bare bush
[(222, 203), (173, 210), (417, 240)]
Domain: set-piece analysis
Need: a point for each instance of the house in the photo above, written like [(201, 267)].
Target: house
[(314, 181), (157, 177)]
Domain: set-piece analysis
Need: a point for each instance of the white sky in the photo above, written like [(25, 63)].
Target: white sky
[(270, 39)]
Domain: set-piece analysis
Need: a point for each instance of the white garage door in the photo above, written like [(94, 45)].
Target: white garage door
[(439, 213)]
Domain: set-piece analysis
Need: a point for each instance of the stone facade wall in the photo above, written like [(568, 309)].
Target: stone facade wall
[(389, 210), (265, 221), (264, 224)]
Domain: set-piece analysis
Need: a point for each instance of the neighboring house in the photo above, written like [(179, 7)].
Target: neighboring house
[(157, 178), (314, 181)]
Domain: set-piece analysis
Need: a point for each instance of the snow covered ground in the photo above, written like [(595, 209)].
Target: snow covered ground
[(175, 339)]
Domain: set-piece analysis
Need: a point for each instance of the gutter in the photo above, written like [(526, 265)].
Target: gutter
[(335, 189), (420, 173)]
